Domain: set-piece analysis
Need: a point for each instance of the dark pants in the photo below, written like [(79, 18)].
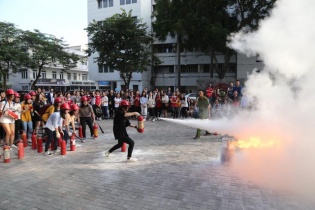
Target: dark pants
[(138, 109), (65, 135), (88, 121), (176, 112), (121, 141), (158, 111), (105, 111), (184, 112), (17, 130), (151, 112), (111, 110), (51, 136)]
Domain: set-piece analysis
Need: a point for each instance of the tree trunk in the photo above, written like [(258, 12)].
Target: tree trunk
[(178, 63), (211, 65), (4, 75), (37, 77)]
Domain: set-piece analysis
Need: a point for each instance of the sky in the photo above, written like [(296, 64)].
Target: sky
[(62, 18)]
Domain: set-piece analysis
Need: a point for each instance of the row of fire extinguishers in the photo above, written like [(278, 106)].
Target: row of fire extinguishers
[(37, 143)]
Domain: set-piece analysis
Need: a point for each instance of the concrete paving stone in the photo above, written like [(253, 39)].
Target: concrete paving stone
[(173, 172)]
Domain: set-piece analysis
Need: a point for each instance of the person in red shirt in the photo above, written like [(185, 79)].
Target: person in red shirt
[(175, 103), (158, 105), (97, 105), (209, 93), (137, 102)]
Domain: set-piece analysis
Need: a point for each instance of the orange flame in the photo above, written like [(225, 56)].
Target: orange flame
[(255, 142)]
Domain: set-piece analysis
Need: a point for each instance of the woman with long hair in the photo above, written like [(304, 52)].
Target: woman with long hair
[(144, 105), (51, 109), (151, 106), (137, 104), (37, 105), (26, 116), (158, 105), (7, 121), (18, 121), (165, 104)]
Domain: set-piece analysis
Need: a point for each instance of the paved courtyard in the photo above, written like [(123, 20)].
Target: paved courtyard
[(173, 172)]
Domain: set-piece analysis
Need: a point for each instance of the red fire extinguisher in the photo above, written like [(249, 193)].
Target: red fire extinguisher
[(124, 147), (95, 131), (24, 138), (20, 149), (6, 154), (34, 141), (72, 143), (39, 145), (140, 124), (63, 146), (80, 132)]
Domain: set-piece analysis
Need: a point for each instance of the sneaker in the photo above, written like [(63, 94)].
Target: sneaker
[(153, 119), (107, 154), (29, 140), (47, 154), (83, 140), (130, 160), (13, 146), (197, 137), (57, 151)]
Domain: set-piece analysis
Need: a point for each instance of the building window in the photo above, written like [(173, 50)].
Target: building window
[(24, 87), (69, 76), (24, 75), (61, 75), (189, 68), (44, 74), (54, 75), (105, 3), (84, 77), (75, 76), (100, 68), (110, 3), (128, 1), (34, 74), (122, 2), (134, 1), (106, 69), (99, 4)]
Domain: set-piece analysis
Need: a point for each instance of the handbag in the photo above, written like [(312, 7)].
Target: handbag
[(3, 109)]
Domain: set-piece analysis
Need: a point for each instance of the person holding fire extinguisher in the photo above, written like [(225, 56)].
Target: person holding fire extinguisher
[(8, 117), (53, 128), (120, 123)]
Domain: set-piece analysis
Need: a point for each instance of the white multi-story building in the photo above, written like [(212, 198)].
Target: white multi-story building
[(195, 66), (56, 77)]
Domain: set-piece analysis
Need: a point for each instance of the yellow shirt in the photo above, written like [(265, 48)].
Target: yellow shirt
[(48, 112), (26, 112)]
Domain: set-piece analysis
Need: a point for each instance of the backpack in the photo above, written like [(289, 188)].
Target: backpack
[(43, 109)]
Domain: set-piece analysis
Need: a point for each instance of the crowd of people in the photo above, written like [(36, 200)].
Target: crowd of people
[(57, 112)]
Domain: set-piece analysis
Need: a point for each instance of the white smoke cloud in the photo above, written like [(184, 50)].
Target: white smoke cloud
[(285, 90)]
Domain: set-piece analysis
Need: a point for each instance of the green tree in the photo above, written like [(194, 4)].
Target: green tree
[(46, 49), (13, 53), (210, 30), (122, 43), (248, 13), (171, 19)]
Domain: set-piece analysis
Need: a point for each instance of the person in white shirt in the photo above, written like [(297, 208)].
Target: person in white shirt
[(117, 101), (165, 104), (8, 120), (53, 128), (105, 104)]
